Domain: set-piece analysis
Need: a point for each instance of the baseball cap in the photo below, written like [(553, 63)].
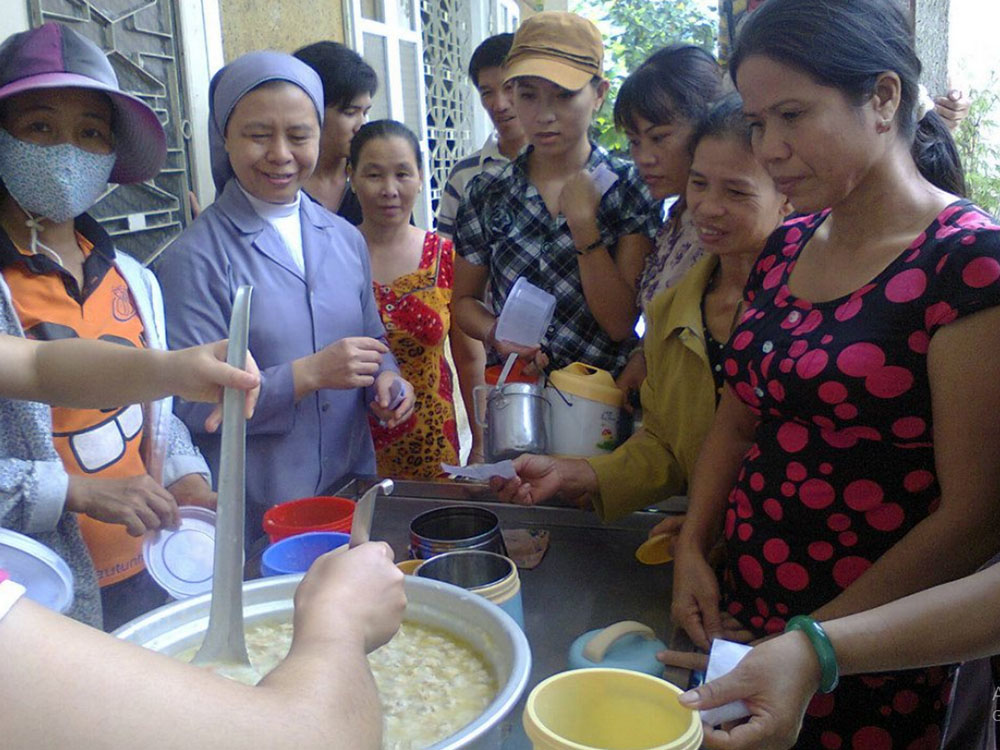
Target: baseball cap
[(558, 46), (54, 56)]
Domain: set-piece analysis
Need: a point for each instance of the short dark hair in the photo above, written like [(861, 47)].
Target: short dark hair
[(678, 81), (847, 45), (724, 119), (344, 73), (383, 129), (489, 54)]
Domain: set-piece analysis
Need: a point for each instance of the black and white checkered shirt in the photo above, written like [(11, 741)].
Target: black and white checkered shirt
[(503, 224)]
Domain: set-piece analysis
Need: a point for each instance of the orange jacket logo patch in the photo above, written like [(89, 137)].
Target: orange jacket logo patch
[(121, 304)]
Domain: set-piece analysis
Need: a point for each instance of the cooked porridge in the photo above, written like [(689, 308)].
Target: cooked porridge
[(430, 683)]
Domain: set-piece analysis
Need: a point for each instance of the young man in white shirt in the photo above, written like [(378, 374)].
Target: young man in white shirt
[(504, 143)]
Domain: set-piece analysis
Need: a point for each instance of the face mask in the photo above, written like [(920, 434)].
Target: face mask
[(54, 182)]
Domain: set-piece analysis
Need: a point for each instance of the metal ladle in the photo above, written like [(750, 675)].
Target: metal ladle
[(361, 524), (224, 649), (511, 359)]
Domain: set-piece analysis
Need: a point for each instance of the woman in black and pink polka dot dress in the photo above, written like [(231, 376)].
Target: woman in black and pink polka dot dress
[(842, 465), (854, 458)]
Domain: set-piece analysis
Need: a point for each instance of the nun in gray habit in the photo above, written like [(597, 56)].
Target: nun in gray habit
[(314, 325)]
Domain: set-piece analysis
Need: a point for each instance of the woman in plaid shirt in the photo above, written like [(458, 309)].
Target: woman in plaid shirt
[(565, 215)]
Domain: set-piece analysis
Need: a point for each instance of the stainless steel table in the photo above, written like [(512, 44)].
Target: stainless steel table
[(589, 577)]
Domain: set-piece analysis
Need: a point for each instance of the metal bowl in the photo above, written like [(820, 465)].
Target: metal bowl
[(489, 630)]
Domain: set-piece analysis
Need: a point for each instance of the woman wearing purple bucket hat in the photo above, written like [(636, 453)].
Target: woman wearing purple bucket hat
[(66, 130)]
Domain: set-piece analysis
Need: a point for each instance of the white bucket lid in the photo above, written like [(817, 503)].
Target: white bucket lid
[(45, 576), (182, 560)]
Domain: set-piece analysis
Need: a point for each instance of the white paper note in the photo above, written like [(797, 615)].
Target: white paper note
[(723, 657), (603, 177), (482, 472)]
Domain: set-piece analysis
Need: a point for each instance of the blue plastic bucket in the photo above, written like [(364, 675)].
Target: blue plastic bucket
[(295, 554)]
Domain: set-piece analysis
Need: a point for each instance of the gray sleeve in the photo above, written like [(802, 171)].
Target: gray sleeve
[(32, 494), (183, 457), (372, 319), (33, 482)]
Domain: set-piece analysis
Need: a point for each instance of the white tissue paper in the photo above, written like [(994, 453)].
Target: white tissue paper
[(603, 177), (482, 472), (723, 657)]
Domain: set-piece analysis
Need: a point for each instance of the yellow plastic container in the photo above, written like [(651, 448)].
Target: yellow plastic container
[(409, 567), (585, 408), (588, 382), (609, 709)]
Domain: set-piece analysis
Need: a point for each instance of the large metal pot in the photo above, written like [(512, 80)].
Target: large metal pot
[(180, 626), (516, 420)]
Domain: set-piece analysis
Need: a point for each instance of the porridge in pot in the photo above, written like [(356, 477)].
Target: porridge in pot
[(430, 683)]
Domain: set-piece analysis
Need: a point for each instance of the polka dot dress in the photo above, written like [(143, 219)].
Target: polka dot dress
[(842, 466), (416, 314)]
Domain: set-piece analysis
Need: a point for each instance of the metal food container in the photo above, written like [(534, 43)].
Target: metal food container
[(455, 527), (488, 574), (517, 416), (180, 626)]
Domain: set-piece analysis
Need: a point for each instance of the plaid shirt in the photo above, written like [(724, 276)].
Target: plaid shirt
[(505, 225)]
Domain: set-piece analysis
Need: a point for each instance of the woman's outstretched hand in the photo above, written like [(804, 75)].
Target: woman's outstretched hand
[(775, 680)]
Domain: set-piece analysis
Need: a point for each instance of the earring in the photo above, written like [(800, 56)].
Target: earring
[(882, 126)]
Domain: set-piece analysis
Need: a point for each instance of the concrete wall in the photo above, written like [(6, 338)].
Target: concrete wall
[(932, 17), (249, 25)]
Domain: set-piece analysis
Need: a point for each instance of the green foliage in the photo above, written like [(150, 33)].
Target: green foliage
[(978, 141), (634, 29)]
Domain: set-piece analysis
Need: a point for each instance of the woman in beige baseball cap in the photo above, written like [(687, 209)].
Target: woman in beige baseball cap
[(565, 215)]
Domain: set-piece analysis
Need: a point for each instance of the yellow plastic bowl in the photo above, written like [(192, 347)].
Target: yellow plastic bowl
[(656, 550), (609, 709), (409, 566)]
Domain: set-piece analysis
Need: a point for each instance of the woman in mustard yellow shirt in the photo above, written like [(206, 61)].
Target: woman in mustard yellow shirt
[(735, 207)]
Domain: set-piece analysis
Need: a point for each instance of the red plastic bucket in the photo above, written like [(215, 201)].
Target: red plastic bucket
[(324, 513)]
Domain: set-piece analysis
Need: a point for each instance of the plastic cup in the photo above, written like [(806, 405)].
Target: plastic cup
[(526, 314), (296, 553)]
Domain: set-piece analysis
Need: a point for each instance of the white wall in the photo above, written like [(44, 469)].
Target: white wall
[(14, 18), (479, 28), (201, 42)]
